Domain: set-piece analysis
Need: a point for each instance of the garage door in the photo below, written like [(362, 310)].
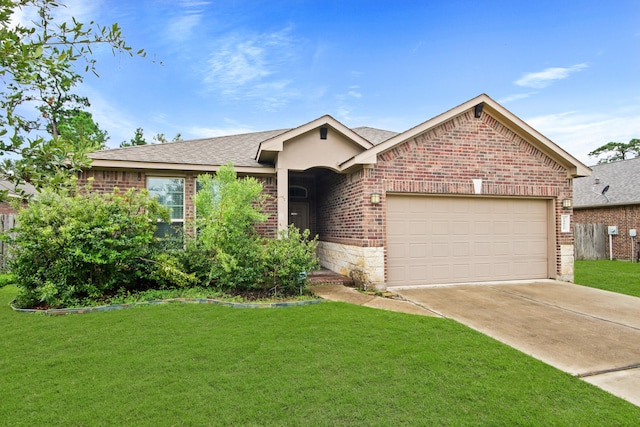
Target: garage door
[(433, 240)]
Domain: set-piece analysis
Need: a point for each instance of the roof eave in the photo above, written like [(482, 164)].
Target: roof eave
[(128, 164), (574, 167), (606, 205), (268, 149)]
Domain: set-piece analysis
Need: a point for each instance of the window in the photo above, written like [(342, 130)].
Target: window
[(170, 193), (298, 192)]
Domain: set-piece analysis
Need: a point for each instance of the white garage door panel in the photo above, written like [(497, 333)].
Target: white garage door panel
[(465, 239)]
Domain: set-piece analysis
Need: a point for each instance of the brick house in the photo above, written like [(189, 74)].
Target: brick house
[(474, 194), (5, 206), (618, 206)]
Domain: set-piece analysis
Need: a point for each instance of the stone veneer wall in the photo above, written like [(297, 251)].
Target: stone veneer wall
[(365, 265), (625, 217)]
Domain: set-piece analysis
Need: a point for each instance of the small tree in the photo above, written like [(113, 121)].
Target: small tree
[(227, 209)]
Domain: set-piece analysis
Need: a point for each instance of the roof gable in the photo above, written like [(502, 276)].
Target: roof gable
[(485, 105), (268, 149)]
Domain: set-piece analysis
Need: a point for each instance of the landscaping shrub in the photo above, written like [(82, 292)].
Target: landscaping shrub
[(67, 247), (227, 209), (287, 260), (74, 247), (227, 250)]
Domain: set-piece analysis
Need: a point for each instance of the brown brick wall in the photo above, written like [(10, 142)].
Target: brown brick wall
[(107, 180), (340, 208), (270, 207), (625, 217), (441, 161), (6, 209)]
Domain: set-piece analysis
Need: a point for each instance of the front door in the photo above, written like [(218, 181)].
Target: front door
[(299, 214)]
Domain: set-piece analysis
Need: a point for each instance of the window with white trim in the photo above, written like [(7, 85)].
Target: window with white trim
[(170, 193)]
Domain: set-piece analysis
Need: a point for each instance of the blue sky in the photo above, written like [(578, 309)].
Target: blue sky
[(571, 69)]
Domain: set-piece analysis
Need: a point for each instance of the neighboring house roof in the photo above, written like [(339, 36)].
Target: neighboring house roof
[(256, 152), (27, 188), (622, 177)]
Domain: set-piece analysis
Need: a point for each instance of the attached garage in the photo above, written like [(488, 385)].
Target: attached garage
[(455, 239)]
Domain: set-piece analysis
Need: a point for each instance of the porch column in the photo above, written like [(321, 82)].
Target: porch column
[(283, 198)]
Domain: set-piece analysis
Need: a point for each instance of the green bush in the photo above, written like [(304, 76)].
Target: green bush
[(227, 209), (228, 247), (6, 279), (68, 247), (197, 259), (288, 260)]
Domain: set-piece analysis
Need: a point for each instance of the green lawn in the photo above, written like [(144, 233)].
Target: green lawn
[(615, 276), (323, 364)]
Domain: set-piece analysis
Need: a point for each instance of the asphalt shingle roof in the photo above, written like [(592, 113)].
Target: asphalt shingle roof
[(239, 149), (622, 177), (374, 136)]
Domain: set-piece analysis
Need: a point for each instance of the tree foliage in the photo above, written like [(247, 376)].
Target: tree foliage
[(614, 151), (68, 246), (139, 139), (227, 244), (39, 63), (227, 209), (288, 259), (82, 132)]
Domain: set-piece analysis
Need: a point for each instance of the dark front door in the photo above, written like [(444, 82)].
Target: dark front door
[(299, 214)]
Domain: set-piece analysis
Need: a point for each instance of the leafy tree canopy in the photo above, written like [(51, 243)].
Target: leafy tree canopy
[(613, 151), (38, 110), (80, 130), (138, 139)]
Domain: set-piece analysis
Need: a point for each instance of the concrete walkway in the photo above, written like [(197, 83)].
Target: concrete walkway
[(589, 333), (352, 296)]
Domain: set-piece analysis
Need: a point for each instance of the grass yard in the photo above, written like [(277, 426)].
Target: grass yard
[(615, 276), (323, 364)]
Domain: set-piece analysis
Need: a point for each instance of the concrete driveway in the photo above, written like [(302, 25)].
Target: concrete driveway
[(589, 333)]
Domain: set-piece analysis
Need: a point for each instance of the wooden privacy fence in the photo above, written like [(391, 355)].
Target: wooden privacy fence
[(7, 222), (590, 241)]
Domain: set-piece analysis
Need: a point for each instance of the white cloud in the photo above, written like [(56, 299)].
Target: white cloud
[(188, 17), (515, 97), (109, 117), (237, 64), (82, 10), (542, 79), (251, 67), (580, 133), (180, 28)]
